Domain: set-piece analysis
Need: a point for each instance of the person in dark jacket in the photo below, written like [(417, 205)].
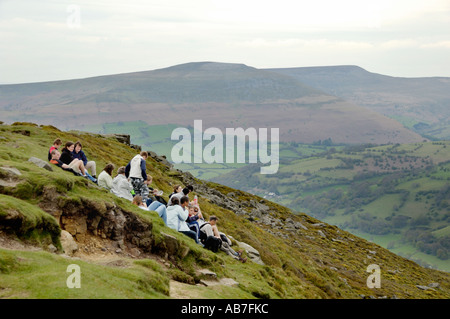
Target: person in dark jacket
[(67, 158), (55, 155), (74, 163), (79, 154)]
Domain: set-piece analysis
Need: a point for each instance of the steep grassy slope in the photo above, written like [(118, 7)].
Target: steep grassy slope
[(125, 252)]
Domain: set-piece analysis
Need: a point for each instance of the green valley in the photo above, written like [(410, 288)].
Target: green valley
[(395, 195)]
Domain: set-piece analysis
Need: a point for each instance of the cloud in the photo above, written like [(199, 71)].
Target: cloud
[(399, 44), (436, 45), (120, 36)]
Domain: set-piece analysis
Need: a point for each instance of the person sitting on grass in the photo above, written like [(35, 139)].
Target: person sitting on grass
[(161, 210), (176, 218), (79, 154), (154, 194), (184, 192), (195, 219), (210, 229), (121, 186), (56, 144), (55, 159), (137, 200), (105, 177), (176, 189), (75, 164)]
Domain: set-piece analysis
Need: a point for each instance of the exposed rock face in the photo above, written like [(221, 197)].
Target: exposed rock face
[(106, 221), (89, 225), (83, 220), (161, 159), (99, 225), (122, 138)]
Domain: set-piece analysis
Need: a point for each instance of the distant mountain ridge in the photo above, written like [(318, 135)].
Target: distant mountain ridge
[(421, 104), (221, 94)]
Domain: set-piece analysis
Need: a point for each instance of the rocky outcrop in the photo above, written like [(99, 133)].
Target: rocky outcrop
[(252, 253), (105, 220), (123, 138), (40, 163), (103, 226), (162, 159), (9, 176)]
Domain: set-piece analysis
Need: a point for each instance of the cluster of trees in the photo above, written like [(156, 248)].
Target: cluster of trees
[(424, 240), (374, 227), (352, 196)]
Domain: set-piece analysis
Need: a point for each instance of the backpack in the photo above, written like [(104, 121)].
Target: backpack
[(225, 238), (212, 243)]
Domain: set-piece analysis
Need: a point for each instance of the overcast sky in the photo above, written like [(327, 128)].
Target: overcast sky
[(54, 40)]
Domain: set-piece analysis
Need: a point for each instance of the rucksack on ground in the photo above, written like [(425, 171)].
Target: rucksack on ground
[(209, 242), (212, 243)]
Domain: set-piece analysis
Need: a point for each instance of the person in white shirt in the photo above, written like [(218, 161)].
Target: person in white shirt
[(136, 171), (177, 215), (121, 186), (105, 179)]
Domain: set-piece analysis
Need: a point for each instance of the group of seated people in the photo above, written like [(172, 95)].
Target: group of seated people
[(72, 158), (186, 217), (133, 183)]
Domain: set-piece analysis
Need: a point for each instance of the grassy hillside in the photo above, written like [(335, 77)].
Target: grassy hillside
[(395, 195), (125, 252)]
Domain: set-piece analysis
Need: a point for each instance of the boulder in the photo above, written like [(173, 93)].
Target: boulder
[(206, 273), (162, 159), (9, 176), (434, 285), (122, 138), (11, 171), (68, 243), (252, 253), (40, 163), (171, 244), (425, 287)]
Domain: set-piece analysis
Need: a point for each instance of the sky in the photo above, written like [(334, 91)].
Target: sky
[(50, 40)]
